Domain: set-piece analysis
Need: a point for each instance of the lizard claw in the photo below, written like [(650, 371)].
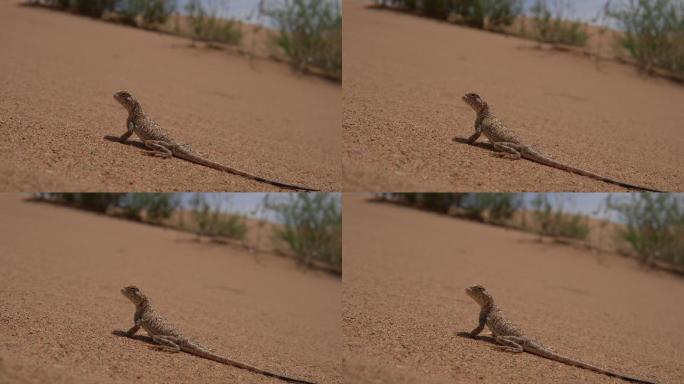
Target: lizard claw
[(163, 348), (505, 155), (157, 154)]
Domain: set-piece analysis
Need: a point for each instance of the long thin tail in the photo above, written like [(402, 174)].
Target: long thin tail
[(201, 352), (533, 155), (183, 154), (568, 361)]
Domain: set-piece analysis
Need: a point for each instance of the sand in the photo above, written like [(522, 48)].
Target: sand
[(405, 272), (57, 76), (403, 80), (61, 273)]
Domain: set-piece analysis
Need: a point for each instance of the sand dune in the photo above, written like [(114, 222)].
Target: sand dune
[(403, 301), (59, 302), (57, 76), (403, 80)]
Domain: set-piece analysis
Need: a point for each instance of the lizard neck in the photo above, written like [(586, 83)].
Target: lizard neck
[(144, 306), (484, 112), (488, 306), (135, 110)]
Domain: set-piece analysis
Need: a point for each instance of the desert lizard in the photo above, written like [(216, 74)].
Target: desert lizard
[(162, 145), (170, 339), (512, 339), (510, 146)]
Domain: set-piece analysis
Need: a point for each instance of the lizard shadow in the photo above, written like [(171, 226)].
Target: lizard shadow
[(488, 339), (133, 143), (479, 144), (142, 338)]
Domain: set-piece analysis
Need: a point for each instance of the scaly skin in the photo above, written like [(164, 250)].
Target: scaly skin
[(511, 147), (511, 338), (170, 339), (162, 145)]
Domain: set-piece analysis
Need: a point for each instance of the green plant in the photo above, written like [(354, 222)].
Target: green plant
[(653, 225), (156, 207), (552, 220), (309, 32), (490, 14), (96, 202), (129, 10), (52, 3), (437, 8), (501, 13), (94, 8), (207, 26), (311, 225), (211, 221), (472, 12), (437, 202), (156, 12), (233, 227), (493, 207), (653, 32), (550, 25)]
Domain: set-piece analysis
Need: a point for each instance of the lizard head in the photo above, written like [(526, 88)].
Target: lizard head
[(133, 294), (475, 102), (126, 99), (479, 294)]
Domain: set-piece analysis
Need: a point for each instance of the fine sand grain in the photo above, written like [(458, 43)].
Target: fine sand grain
[(405, 272), (403, 80), (60, 276), (57, 76)]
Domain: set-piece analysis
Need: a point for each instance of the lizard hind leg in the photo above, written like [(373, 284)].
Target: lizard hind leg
[(166, 343), (509, 344), (507, 150), (158, 148)]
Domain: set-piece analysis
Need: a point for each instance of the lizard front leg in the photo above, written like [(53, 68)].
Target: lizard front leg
[(133, 330), (482, 322), (127, 134), (476, 135), (158, 148)]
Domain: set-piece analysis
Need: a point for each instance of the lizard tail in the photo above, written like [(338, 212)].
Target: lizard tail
[(552, 356), (211, 164), (201, 352), (535, 156)]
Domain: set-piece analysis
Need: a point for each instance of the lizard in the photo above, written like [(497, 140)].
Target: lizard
[(509, 146), (161, 144), (510, 338), (168, 338)]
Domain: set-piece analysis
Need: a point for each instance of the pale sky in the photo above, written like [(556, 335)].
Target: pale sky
[(246, 203), (245, 10), (584, 203), (238, 9), (584, 10)]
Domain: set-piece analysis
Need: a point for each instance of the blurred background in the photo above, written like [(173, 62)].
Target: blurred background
[(303, 226), (306, 33), (645, 226)]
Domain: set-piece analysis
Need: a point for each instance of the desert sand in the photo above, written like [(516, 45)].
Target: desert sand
[(403, 80), (61, 273), (58, 73), (403, 302)]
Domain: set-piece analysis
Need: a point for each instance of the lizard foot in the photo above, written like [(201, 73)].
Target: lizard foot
[(506, 348), (157, 154), (163, 348), (505, 155)]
